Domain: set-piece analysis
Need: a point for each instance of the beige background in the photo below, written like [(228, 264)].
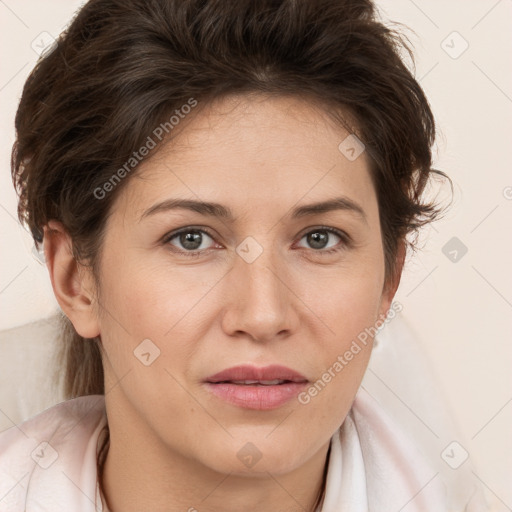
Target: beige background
[(461, 309)]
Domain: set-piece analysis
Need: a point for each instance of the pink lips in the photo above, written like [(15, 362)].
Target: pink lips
[(256, 388)]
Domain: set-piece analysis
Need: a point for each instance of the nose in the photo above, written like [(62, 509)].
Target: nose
[(261, 304)]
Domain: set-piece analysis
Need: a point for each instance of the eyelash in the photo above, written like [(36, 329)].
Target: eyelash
[(346, 240)]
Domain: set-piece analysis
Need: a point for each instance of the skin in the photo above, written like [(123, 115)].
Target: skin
[(173, 445)]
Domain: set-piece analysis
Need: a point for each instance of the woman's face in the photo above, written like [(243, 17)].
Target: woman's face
[(260, 279)]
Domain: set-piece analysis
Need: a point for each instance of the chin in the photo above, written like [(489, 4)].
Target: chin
[(255, 455)]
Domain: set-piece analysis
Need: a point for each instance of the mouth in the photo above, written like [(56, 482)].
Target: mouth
[(247, 374), (255, 388), (274, 382)]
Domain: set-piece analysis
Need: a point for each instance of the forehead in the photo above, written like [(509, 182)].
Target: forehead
[(255, 150)]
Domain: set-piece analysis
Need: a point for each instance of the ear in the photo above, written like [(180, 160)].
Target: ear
[(391, 286), (72, 283)]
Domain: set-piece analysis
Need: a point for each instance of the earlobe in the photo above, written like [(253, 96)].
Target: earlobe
[(72, 283)]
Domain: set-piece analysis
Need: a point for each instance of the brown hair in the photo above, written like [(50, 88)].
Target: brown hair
[(124, 66)]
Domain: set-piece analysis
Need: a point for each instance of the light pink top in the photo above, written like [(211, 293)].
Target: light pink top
[(49, 463)]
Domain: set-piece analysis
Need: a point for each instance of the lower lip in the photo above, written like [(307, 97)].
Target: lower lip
[(260, 397)]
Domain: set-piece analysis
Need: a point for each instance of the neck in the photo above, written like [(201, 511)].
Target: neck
[(132, 481)]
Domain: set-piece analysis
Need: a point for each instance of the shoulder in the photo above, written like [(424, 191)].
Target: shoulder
[(49, 460)]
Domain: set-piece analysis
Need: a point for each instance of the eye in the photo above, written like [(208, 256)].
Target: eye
[(194, 241), (323, 239), (189, 240)]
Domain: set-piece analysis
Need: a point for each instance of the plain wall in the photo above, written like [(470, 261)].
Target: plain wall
[(461, 304)]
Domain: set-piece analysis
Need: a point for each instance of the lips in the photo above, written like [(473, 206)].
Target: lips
[(256, 388), (253, 374)]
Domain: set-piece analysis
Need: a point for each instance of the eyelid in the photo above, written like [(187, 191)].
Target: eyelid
[(346, 239), (330, 229), (172, 234)]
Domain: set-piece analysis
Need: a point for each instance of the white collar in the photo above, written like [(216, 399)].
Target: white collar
[(371, 467)]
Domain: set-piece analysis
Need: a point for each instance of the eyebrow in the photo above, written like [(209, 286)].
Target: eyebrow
[(223, 212)]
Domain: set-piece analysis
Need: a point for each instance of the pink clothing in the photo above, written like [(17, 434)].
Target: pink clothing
[(49, 463)]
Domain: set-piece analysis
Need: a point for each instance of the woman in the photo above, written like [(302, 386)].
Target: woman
[(225, 193)]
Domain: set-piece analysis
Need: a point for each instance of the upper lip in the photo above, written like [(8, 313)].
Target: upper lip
[(265, 373)]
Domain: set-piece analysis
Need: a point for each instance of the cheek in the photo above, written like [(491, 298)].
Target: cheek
[(355, 309), (344, 356), (151, 299), (131, 306), (349, 310), (348, 300), (157, 303)]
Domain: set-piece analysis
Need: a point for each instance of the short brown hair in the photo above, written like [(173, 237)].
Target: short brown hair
[(123, 66)]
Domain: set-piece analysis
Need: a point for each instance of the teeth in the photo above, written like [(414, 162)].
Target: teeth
[(262, 382)]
